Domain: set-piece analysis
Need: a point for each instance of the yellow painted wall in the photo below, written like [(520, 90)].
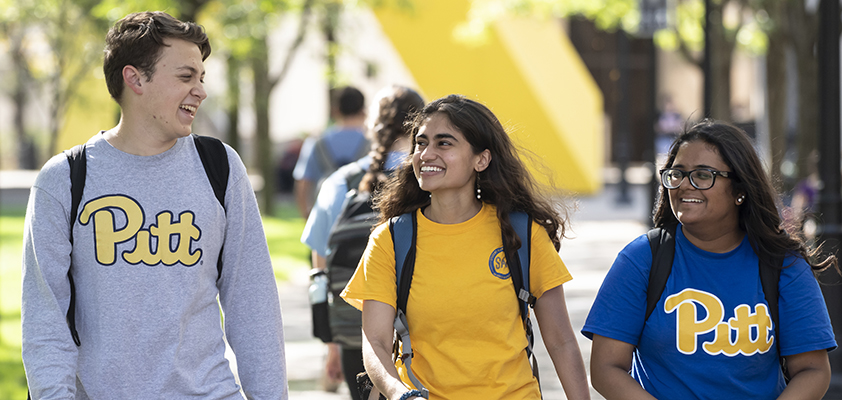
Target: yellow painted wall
[(526, 72), (89, 112)]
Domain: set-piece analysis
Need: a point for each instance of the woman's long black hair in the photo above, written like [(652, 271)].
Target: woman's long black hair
[(758, 214), (506, 183)]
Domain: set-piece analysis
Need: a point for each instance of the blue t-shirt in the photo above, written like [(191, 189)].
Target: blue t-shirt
[(710, 336), (343, 145), (329, 203)]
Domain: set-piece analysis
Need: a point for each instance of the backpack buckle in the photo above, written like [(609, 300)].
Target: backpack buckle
[(526, 297)]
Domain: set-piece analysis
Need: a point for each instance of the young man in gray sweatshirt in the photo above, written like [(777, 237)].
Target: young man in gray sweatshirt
[(145, 245)]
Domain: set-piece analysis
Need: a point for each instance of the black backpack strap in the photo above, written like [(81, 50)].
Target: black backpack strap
[(215, 161), (662, 244), (353, 176), (76, 157), (770, 275)]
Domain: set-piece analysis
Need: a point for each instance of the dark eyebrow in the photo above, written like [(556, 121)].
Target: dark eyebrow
[(438, 136), (697, 166), (191, 69)]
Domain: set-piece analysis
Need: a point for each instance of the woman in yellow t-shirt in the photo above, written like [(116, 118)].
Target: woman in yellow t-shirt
[(468, 339)]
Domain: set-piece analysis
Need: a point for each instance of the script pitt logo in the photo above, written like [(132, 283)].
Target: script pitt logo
[(168, 241), (745, 333), (498, 265)]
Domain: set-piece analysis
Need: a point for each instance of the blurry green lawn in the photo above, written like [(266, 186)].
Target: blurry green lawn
[(282, 233)]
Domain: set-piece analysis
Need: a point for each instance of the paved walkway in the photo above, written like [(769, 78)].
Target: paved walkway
[(601, 228)]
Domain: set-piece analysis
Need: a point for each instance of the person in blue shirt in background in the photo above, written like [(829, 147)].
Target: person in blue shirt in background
[(711, 335), (390, 143), (340, 144)]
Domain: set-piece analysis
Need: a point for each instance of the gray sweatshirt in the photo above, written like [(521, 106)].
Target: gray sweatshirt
[(145, 247)]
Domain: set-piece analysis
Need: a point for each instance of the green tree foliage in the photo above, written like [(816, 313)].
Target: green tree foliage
[(53, 51), (757, 27)]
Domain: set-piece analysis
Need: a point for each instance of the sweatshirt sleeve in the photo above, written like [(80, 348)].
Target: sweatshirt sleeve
[(248, 293), (49, 353)]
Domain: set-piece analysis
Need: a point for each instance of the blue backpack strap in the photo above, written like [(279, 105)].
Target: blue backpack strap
[(519, 262), (403, 229), (522, 224)]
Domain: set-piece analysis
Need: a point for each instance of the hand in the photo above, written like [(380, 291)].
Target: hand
[(333, 364)]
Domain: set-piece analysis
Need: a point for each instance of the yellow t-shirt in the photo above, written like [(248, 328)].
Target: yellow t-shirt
[(464, 319)]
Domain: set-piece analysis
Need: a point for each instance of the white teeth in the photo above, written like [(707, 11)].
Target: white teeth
[(430, 169), (691, 200), (191, 109)]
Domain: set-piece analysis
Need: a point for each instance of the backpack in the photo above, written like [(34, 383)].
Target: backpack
[(215, 162), (404, 232), (346, 244), (328, 163), (662, 245)]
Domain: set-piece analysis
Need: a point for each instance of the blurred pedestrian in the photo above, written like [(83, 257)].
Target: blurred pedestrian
[(669, 125), (342, 143), (389, 147)]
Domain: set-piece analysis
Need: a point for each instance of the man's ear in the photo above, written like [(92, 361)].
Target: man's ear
[(133, 79), (484, 160)]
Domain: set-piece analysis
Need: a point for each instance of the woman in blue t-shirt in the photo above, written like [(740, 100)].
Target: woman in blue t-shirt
[(711, 335)]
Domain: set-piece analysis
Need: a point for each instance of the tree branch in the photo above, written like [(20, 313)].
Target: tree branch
[(293, 48)]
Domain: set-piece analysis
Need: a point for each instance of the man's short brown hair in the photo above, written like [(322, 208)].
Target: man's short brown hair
[(138, 39)]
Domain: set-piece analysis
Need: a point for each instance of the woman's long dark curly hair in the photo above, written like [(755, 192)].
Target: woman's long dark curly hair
[(395, 107), (758, 214), (506, 183)]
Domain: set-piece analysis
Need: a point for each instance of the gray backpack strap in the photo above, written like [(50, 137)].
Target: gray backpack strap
[(324, 157)]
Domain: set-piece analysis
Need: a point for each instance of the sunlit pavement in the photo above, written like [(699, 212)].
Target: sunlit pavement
[(600, 229)]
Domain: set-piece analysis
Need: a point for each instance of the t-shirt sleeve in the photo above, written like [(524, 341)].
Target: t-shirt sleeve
[(620, 306), (374, 278), (303, 156), (547, 270), (803, 317)]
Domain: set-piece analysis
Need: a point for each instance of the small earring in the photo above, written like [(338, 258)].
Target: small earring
[(479, 191), (740, 199)]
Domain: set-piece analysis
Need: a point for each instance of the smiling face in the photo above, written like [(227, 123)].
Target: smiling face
[(443, 160), (176, 89), (715, 209)]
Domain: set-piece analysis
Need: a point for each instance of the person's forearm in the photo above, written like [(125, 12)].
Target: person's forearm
[(616, 383), (301, 190), (567, 359), (319, 262), (807, 384), (378, 363)]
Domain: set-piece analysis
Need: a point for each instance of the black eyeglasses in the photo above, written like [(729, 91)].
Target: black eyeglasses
[(702, 178)]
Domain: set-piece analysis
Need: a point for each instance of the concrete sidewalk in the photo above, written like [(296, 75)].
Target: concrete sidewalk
[(600, 229)]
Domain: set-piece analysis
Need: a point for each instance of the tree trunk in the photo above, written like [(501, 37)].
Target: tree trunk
[(263, 143), (721, 53), (776, 73), (804, 34), (232, 101), (330, 21), (25, 145)]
